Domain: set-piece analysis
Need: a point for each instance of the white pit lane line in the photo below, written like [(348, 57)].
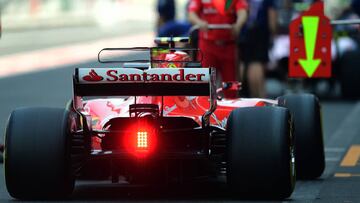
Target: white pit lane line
[(50, 58)]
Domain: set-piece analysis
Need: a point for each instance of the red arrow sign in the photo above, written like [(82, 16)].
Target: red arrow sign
[(310, 44)]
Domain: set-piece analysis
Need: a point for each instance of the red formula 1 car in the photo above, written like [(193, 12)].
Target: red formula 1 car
[(172, 126)]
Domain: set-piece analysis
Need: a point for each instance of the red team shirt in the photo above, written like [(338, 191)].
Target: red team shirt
[(213, 12)]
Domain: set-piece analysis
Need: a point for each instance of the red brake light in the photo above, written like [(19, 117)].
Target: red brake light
[(142, 140)]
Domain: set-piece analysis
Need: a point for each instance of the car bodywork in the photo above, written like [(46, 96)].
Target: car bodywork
[(161, 121), (185, 117)]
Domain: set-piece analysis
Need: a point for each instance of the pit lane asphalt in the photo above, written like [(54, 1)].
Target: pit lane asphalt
[(54, 88)]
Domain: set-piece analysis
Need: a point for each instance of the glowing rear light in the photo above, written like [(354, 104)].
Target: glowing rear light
[(142, 140)]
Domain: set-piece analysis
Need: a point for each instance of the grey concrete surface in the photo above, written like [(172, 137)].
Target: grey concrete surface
[(30, 40)]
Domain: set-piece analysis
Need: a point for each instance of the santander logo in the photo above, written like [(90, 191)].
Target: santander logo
[(180, 76), (157, 75), (93, 76)]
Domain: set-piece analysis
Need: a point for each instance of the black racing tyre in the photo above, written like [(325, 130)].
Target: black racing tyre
[(350, 74), (260, 160), (38, 154), (308, 134), (1, 153)]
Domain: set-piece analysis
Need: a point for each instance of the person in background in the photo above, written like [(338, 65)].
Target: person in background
[(218, 47), (254, 43), (167, 25), (166, 12), (355, 4)]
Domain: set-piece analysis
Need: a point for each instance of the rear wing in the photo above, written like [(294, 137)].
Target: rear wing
[(150, 82)]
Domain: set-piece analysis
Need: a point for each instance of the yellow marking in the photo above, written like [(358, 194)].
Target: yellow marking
[(342, 175), (171, 65), (352, 156), (345, 175)]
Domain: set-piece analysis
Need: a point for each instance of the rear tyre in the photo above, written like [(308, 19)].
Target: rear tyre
[(309, 145), (1, 153), (38, 154), (260, 160)]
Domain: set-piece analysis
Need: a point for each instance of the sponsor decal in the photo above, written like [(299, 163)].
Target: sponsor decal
[(168, 109), (114, 76), (92, 76), (130, 75), (171, 65), (113, 107), (222, 123)]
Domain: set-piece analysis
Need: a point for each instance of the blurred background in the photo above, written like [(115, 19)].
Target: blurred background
[(83, 27), (34, 24), (42, 41)]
